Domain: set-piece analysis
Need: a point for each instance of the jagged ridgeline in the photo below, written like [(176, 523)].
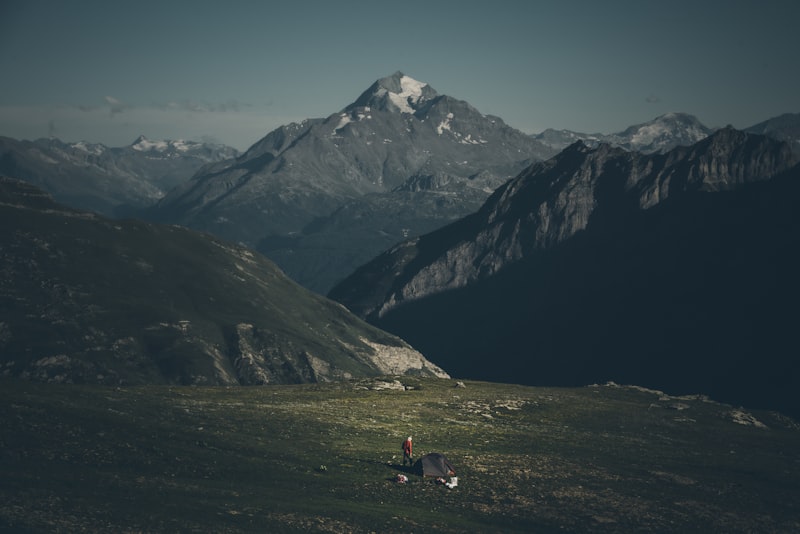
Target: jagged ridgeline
[(88, 299), (676, 271)]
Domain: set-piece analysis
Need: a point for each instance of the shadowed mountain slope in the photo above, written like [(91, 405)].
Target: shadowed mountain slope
[(88, 299), (673, 271)]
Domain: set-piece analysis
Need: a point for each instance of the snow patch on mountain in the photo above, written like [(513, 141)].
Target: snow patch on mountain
[(343, 121), (410, 93), (142, 144), (357, 115), (656, 136), (89, 148), (649, 133), (464, 140), (468, 140), (663, 127), (445, 124)]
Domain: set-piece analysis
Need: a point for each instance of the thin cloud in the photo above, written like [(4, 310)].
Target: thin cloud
[(652, 99), (94, 124), (183, 105), (193, 106), (115, 105)]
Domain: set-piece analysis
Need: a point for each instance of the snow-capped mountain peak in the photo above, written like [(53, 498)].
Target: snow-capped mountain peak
[(398, 93), (410, 93), (661, 134)]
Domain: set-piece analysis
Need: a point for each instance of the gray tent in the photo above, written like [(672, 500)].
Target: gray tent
[(434, 465)]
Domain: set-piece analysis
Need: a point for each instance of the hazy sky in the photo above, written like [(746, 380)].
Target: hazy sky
[(231, 71)]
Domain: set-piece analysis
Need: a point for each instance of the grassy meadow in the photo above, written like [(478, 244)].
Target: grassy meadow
[(324, 458)]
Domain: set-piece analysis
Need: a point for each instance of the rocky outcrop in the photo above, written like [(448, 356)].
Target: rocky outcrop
[(259, 358), (401, 360)]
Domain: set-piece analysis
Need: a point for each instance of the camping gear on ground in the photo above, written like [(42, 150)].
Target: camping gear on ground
[(434, 465)]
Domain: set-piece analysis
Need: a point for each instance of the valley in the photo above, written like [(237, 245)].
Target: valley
[(248, 248)]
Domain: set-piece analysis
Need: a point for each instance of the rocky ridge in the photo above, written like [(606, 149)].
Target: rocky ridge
[(659, 135), (673, 271), (108, 180), (549, 203)]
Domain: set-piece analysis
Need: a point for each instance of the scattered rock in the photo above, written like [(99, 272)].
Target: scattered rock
[(381, 385), (680, 406), (743, 418)]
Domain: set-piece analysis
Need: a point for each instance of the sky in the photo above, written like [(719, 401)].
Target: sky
[(232, 71)]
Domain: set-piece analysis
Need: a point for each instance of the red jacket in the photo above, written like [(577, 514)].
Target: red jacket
[(407, 447)]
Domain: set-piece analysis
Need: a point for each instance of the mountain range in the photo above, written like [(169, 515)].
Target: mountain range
[(110, 181), (659, 135), (323, 196), (662, 255), (671, 130), (88, 299), (675, 271)]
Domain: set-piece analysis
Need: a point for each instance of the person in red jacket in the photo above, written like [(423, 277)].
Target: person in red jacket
[(407, 454)]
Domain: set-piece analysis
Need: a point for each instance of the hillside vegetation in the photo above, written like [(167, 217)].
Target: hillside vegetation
[(324, 458), (87, 299)]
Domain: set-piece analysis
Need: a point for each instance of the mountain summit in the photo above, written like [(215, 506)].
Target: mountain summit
[(322, 196), (398, 92), (662, 134)]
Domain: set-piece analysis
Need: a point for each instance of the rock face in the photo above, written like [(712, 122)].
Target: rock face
[(89, 299), (551, 202), (673, 271), (109, 181), (301, 193)]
